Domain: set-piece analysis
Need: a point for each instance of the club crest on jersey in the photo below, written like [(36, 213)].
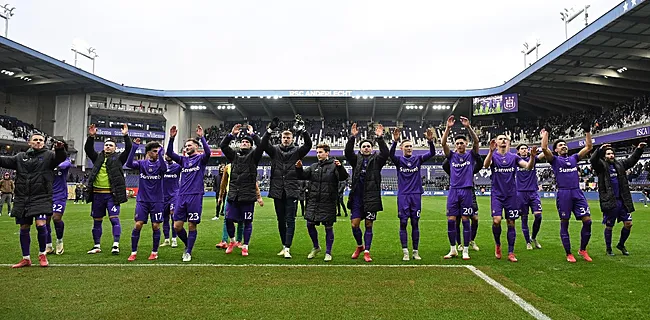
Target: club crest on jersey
[(504, 161), (150, 170), (568, 163), (408, 164)]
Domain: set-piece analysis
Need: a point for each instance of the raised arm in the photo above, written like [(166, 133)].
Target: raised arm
[(127, 144), (588, 143), (89, 147), (225, 143), (488, 159), (270, 149), (635, 156), (130, 163), (259, 151), (206, 147), (472, 133), (547, 153), (445, 135), (383, 148), (161, 161), (59, 154), (349, 146), (391, 152), (306, 146), (596, 157), (432, 148)]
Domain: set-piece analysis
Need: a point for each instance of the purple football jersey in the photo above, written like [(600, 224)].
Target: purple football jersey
[(409, 180), (504, 168), (192, 168), (151, 173), (526, 179), (60, 183), (170, 180), (461, 165), (566, 171), (613, 174)]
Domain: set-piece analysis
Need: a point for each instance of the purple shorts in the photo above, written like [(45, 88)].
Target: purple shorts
[(168, 206), (58, 206), (409, 206), (144, 210), (529, 200), (571, 200), (189, 208), (103, 202), (30, 220), (240, 211), (619, 214), (459, 202), (508, 204)]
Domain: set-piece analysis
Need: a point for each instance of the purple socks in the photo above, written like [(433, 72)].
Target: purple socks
[(97, 231), (367, 238), (356, 232), (564, 235), (329, 239), (313, 234), (191, 238), (451, 232), (524, 228), (248, 231), (403, 234), (135, 238), (156, 240), (585, 234), (117, 229), (467, 232), (537, 224), (512, 235), (25, 241), (415, 233), (42, 235), (496, 231)]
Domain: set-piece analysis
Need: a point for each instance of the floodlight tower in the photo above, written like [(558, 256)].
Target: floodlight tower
[(80, 47), (6, 14), (569, 14)]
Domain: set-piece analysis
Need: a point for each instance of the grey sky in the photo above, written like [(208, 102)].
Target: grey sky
[(299, 44)]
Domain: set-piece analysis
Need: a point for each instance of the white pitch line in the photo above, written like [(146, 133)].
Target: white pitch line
[(131, 265), (509, 294)]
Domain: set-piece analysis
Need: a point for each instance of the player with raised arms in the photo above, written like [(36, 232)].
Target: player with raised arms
[(527, 186), (189, 205), (59, 200), (364, 200), (614, 192), (149, 201), (409, 189), (503, 165), (242, 193), (459, 201), (569, 196)]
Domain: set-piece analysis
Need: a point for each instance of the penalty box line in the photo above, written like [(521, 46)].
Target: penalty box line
[(509, 294)]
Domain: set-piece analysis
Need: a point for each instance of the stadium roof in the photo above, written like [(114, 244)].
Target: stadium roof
[(606, 62)]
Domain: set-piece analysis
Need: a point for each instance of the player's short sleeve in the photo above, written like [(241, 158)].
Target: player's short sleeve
[(576, 157), (518, 159)]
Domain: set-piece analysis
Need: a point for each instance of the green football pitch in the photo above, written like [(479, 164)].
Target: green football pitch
[(264, 286)]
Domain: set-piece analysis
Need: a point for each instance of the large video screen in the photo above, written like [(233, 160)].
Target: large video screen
[(495, 104)]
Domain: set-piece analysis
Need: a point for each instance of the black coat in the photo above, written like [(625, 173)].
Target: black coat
[(283, 162), (372, 181), (322, 181), (605, 192), (243, 169), (114, 163), (34, 177)]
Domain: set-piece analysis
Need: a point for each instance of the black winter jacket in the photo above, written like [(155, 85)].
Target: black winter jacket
[(322, 181), (372, 182), (605, 192), (283, 162), (243, 169), (114, 163), (34, 177)]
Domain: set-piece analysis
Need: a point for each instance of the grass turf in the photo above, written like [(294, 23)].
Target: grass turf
[(609, 287)]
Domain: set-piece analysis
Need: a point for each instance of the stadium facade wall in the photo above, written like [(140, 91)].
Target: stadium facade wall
[(33, 109), (70, 121), (205, 119)]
